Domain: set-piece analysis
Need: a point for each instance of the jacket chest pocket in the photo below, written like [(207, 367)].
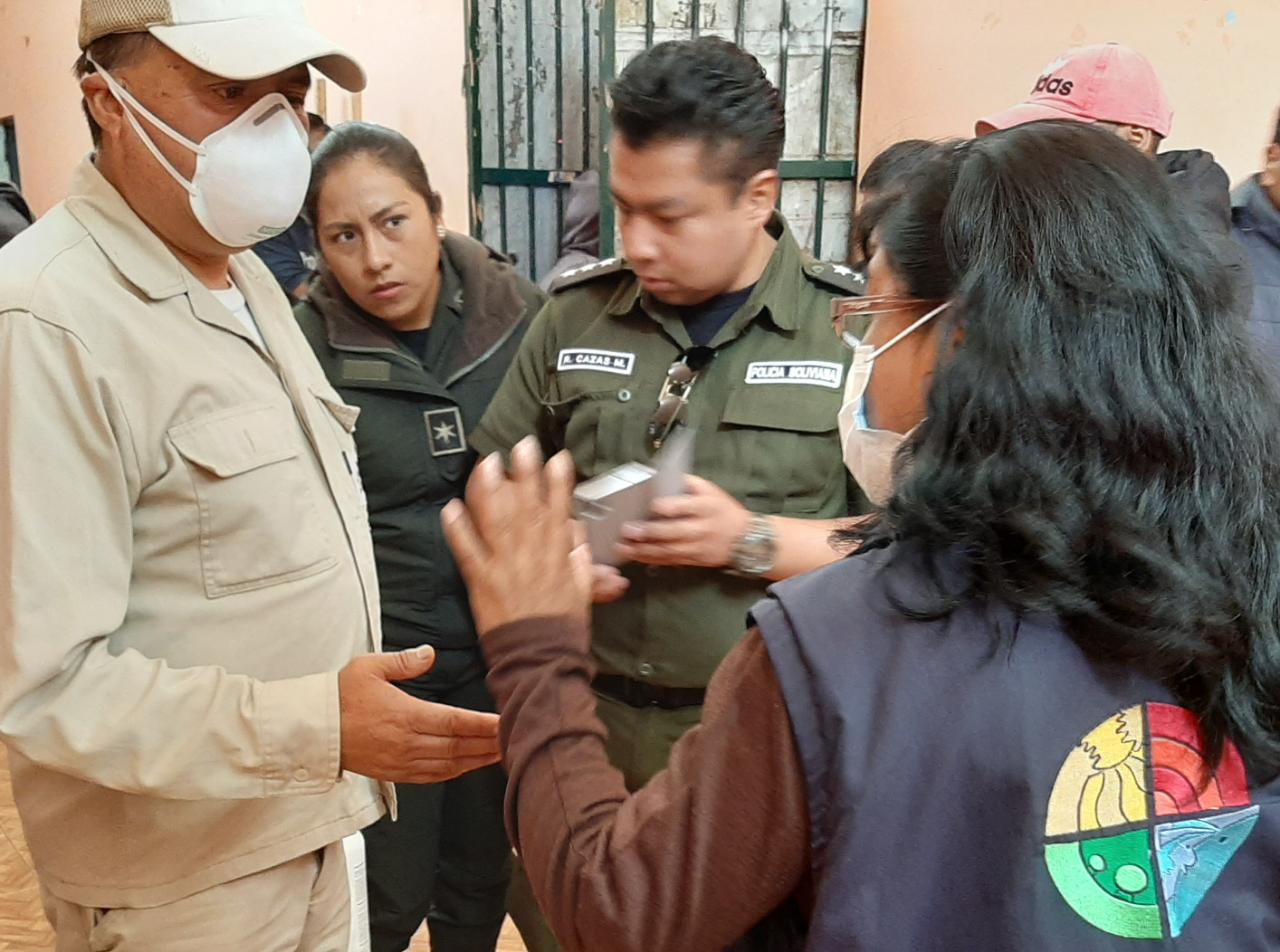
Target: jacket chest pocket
[(781, 448), (259, 522)]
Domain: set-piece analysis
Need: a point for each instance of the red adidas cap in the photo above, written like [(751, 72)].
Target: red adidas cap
[(1103, 83)]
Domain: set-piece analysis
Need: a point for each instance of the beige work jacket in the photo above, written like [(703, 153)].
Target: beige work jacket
[(185, 565)]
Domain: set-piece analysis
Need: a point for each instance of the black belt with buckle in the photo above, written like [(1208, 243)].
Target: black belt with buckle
[(639, 694)]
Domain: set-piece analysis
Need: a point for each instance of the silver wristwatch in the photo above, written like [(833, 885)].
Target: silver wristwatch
[(755, 553)]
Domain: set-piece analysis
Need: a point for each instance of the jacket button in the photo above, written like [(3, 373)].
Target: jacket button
[(624, 396), (645, 669), (301, 775)]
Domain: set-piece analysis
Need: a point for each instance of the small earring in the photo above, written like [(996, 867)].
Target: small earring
[(440, 231)]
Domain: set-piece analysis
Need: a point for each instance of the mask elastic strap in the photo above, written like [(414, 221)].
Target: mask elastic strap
[(130, 103), (920, 323)]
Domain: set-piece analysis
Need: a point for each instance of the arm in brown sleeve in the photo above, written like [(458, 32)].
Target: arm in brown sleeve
[(692, 861)]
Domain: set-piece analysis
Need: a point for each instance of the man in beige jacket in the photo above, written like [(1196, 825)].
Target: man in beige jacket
[(190, 687)]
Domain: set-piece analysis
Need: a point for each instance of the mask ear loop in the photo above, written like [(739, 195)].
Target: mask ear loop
[(920, 323), (873, 304), (130, 103)]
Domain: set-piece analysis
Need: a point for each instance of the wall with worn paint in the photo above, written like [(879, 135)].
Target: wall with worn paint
[(932, 67), (413, 50), (37, 49)]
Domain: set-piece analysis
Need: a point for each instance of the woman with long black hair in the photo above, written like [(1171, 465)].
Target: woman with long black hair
[(1039, 705)]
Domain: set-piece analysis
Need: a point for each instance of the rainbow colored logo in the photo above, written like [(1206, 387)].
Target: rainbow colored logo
[(1139, 828)]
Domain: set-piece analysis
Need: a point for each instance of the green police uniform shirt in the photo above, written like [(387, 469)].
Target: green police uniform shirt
[(587, 379)]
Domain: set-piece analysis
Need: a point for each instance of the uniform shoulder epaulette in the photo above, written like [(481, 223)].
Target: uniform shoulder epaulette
[(838, 277), (588, 272)]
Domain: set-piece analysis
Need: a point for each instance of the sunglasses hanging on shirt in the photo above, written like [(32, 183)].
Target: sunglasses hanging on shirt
[(673, 402)]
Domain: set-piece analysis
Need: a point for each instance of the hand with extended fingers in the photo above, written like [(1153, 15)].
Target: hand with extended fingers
[(515, 543)]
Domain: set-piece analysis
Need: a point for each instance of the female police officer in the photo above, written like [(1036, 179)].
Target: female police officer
[(416, 326), (1038, 708)]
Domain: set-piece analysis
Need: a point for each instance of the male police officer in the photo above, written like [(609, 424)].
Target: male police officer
[(717, 303)]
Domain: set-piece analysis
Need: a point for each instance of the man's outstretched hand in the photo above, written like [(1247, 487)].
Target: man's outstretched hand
[(388, 735)]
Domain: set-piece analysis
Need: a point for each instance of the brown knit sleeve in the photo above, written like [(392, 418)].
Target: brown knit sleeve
[(690, 862)]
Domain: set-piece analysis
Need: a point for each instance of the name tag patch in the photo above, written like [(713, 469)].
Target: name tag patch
[(608, 361), (373, 371), (815, 373)]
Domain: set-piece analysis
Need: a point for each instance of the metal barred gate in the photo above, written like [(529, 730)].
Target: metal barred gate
[(538, 70)]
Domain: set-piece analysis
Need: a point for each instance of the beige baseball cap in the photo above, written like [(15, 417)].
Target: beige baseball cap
[(235, 39)]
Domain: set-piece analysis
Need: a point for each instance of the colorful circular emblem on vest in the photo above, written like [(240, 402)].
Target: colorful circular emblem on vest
[(1139, 827)]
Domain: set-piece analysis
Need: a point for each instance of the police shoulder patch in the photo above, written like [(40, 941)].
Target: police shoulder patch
[(837, 277), (588, 272)]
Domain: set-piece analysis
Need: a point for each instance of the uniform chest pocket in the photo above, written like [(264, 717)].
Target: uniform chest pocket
[(592, 415), (782, 449), (259, 522)]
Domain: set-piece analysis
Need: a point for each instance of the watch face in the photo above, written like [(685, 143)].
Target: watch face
[(755, 557), (754, 553)]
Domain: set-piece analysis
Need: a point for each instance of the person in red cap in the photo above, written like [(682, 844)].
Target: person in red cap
[(1107, 84), (1116, 88)]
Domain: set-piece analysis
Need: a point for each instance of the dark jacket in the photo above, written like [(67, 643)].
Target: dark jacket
[(291, 256), (1257, 229), (1202, 187), (413, 426), (965, 797), (15, 215)]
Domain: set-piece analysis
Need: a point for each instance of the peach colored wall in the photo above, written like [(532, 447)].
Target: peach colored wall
[(415, 54), (37, 50), (413, 50), (934, 66)]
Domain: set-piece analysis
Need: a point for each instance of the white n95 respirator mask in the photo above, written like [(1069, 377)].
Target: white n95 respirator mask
[(251, 175)]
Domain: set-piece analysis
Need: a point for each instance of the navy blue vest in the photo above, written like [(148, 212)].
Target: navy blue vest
[(964, 797)]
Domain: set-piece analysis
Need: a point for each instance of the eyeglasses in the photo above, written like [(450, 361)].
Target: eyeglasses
[(851, 316), (673, 402)]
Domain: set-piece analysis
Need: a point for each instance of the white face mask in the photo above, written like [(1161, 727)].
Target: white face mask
[(869, 452), (251, 175)]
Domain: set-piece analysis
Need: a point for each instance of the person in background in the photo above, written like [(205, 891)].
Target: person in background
[(15, 214), (893, 165), (580, 244), (291, 255), (191, 689), (1117, 89), (317, 129), (1256, 217), (884, 177), (416, 326), (1057, 648)]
